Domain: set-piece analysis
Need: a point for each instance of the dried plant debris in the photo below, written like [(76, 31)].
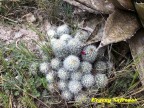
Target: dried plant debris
[(119, 26), (137, 50), (98, 6), (94, 25), (10, 34), (97, 33)]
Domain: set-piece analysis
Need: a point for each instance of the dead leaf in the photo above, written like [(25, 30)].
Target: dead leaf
[(119, 26), (126, 4), (99, 6), (140, 10), (123, 4), (136, 44), (94, 25), (81, 6), (97, 33)]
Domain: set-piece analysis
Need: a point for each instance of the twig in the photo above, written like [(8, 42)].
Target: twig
[(32, 96), (9, 19)]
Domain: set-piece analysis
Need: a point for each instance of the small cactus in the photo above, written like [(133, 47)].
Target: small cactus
[(51, 33), (51, 87), (75, 46), (88, 80), (86, 67), (89, 53), (50, 77), (60, 49), (101, 67), (62, 85), (63, 29), (74, 86), (53, 41), (67, 95), (71, 63), (66, 38), (63, 74), (101, 80), (33, 68), (56, 63), (82, 35), (80, 98), (44, 67), (76, 76)]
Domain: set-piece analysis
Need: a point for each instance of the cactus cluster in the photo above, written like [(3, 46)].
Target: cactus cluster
[(73, 65)]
